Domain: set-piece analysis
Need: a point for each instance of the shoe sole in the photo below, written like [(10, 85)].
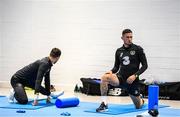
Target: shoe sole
[(102, 110)]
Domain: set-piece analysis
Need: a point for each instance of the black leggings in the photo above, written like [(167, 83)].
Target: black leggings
[(20, 93)]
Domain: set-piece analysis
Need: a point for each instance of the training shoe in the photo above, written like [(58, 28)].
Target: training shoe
[(11, 96), (102, 108)]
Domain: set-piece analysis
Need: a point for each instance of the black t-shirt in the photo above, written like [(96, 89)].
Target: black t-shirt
[(33, 74), (127, 61)]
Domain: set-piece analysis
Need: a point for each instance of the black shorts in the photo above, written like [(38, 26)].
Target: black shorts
[(132, 89)]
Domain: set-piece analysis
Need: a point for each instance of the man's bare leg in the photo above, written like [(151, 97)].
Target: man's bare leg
[(105, 80), (137, 100)]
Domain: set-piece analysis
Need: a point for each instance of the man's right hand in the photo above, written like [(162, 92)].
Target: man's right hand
[(109, 72)]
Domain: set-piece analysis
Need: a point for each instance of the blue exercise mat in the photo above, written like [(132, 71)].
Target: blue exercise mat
[(2, 96), (79, 111), (115, 109), (42, 103)]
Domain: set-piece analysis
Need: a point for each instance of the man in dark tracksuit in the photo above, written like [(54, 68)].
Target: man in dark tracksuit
[(32, 76), (125, 72)]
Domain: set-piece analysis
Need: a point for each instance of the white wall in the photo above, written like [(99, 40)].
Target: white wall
[(0, 39), (88, 33)]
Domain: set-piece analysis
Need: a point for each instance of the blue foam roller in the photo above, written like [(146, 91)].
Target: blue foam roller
[(67, 102), (153, 95)]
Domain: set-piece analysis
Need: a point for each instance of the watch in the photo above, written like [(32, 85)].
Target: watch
[(137, 76)]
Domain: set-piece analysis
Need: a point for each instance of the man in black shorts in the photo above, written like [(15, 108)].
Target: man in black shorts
[(32, 76), (126, 71)]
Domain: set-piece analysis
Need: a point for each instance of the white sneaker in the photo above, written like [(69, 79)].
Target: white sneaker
[(55, 95), (10, 97)]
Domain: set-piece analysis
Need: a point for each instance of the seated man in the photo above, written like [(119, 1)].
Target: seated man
[(126, 71), (32, 76)]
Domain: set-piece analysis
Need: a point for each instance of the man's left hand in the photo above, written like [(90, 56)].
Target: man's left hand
[(131, 79), (48, 100), (35, 103)]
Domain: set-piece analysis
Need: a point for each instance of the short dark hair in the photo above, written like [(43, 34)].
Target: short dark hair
[(126, 31), (55, 52)]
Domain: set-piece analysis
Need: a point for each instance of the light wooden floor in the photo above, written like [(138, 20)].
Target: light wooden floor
[(111, 99)]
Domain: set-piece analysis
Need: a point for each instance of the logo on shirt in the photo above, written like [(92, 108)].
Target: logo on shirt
[(136, 92), (121, 54), (132, 52), (48, 70), (126, 60)]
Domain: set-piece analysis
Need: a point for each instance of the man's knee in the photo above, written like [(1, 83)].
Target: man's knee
[(23, 101), (21, 98), (138, 105), (20, 94), (110, 79), (137, 101), (106, 77)]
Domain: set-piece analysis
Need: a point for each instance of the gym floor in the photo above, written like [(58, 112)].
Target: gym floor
[(111, 99)]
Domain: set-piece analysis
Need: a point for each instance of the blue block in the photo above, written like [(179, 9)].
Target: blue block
[(153, 95)]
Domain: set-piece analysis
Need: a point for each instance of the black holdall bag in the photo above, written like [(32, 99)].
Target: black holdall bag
[(167, 90), (91, 86)]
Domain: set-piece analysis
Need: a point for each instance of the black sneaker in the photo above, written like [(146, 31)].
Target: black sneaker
[(102, 108)]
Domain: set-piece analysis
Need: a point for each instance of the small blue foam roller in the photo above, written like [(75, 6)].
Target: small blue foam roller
[(20, 111), (66, 114)]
